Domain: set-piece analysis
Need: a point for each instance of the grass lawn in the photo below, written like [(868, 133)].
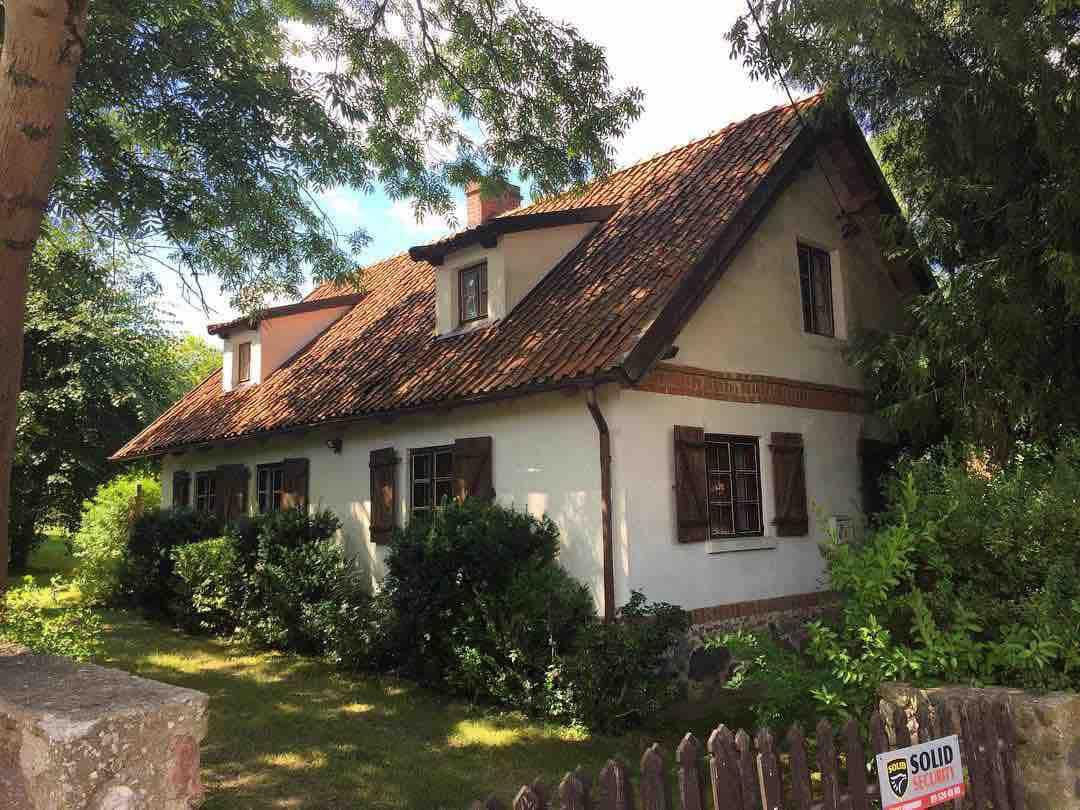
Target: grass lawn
[(289, 731)]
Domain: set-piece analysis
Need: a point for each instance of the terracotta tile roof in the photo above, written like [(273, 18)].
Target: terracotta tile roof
[(583, 321)]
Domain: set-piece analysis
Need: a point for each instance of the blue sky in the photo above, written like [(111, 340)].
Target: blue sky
[(679, 58)]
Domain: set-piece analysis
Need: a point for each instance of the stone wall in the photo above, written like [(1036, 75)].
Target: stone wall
[(83, 737), (1048, 737)]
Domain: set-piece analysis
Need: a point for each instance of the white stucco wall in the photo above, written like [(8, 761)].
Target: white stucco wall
[(752, 320), (545, 457)]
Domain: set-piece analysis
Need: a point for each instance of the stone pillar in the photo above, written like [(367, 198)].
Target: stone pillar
[(1048, 737), (83, 737)]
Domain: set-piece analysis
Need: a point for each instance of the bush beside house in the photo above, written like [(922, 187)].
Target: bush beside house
[(971, 576)]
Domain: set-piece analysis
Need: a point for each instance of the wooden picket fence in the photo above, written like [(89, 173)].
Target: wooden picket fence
[(739, 773)]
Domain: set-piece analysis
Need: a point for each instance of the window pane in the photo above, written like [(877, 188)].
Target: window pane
[(421, 495), (806, 288), (421, 467), (746, 488), (745, 457), (470, 294), (444, 465), (443, 492), (822, 278), (720, 521), (719, 457), (746, 518), (720, 488)]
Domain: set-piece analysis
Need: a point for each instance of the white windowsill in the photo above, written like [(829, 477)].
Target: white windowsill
[(741, 544), (464, 329)]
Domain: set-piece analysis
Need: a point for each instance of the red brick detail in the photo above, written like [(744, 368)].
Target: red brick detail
[(184, 777), (730, 386), (757, 607), (479, 210)]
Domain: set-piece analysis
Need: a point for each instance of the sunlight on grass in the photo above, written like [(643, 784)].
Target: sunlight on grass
[(357, 708), (485, 732)]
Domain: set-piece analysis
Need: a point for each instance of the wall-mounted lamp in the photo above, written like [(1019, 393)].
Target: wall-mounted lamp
[(334, 445)]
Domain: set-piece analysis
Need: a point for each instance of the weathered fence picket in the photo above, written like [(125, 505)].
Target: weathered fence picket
[(742, 773)]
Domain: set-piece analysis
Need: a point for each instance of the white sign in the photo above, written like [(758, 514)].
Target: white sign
[(921, 775)]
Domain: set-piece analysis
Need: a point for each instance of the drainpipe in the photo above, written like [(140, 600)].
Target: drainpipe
[(605, 503)]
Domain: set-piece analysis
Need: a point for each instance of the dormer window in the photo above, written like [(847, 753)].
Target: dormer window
[(473, 293), (243, 362)]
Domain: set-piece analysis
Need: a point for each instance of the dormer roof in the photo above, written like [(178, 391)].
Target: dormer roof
[(606, 312)]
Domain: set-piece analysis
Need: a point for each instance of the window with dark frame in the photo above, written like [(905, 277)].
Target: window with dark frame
[(431, 475), (270, 487), (815, 281), (243, 362), (733, 473), (473, 293), (205, 491)]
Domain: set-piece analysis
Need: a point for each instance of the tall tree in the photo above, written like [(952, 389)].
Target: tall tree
[(199, 129), (43, 42), (99, 364), (975, 105)]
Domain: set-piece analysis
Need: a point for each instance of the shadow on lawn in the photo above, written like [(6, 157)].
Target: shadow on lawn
[(287, 731)]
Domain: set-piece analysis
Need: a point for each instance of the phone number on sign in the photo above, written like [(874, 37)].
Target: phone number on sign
[(950, 793)]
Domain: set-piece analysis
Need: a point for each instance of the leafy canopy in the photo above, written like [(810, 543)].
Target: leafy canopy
[(199, 129), (99, 364), (975, 108)]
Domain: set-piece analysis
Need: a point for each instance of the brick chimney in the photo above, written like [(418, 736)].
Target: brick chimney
[(481, 209)]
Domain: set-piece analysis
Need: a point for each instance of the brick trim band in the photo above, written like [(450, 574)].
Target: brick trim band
[(730, 386), (757, 607)]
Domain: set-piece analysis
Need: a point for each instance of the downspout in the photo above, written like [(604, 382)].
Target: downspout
[(605, 503)]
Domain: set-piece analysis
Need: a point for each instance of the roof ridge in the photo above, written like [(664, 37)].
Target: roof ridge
[(673, 150)]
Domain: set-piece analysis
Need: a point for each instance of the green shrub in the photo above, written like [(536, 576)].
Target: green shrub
[(971, 576), (299, 592), (147, 579), (478, 605), (616, 674), (32, 618), (210, 584), (99, 545)]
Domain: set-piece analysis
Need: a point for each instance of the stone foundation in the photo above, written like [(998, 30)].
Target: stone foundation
[(1048, 737), (83, 737)]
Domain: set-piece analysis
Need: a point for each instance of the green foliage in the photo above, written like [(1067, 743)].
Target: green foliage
[(206, 125), (147, 577), (30, 618), (101, 542), (474, 602), (478, 603), (973, 109), (98, 365), (209, 583), (616, 674), (195, 360), (971, 576)]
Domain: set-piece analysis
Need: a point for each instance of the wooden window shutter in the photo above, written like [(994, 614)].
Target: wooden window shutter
[(472, 468), (691, 505), (230, 498), (383, 464), (294, 483), (789, 482), (181, 488)]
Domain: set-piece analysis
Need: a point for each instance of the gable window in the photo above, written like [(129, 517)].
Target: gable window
[(431, 472), (473, 293), (733, 472), (270, 487), (243, 362), (206, 491), (815, 280)]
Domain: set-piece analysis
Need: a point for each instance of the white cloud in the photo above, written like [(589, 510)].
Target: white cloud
[(432, 227)]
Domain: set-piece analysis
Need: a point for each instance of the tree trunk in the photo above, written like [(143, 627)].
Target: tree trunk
[(43, 44)]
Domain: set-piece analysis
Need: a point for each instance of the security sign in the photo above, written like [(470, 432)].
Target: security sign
[(921, 775)]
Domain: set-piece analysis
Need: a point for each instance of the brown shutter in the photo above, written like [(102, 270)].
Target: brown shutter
[(383, 464), (181, 488), (472, 468), (789, 482), (294, 483), (231, 493), (691, 506)]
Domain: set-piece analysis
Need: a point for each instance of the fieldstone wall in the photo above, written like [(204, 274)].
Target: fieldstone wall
[(1048, 737), (83, 737)]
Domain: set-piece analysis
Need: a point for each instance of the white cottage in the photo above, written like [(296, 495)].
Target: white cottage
[(656, 361)]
